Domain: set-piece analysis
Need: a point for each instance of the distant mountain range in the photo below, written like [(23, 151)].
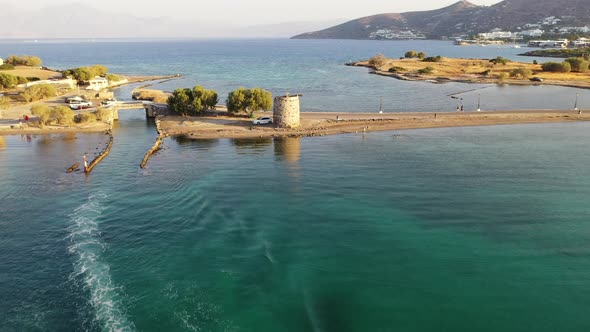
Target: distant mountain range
[(461, 18), (86, 22)]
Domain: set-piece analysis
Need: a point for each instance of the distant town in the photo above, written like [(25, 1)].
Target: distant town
[(568, 36)]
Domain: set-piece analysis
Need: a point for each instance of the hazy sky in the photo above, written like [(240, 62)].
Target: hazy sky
[(254, 12)]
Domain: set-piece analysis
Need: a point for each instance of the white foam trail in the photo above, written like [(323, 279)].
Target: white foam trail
[(89, 267)]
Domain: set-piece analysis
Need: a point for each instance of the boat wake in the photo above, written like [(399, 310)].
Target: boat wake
[(90, 269)]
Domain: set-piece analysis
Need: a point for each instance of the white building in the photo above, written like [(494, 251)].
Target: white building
[(1, 62), (498, 34), (98, 83), (532, 33)]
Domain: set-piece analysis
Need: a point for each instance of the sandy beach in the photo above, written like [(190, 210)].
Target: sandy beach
[(320, 124)]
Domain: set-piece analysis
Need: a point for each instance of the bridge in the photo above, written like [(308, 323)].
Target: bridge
[(151, 109)]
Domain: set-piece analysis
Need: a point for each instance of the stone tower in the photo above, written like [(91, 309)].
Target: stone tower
[(286, 111)]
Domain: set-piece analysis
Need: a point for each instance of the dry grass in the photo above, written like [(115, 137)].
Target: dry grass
[(156, 96), (25, 71), (473, 68)]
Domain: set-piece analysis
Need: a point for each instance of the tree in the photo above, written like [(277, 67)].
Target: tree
[(377, 61), (578, 65), (248, 100), (259, 100), (411, 54), (180, 101), (33, 61), (203, 99), (421, 55), (236, 100)]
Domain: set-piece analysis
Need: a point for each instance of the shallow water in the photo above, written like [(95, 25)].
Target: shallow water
[(463, 229)]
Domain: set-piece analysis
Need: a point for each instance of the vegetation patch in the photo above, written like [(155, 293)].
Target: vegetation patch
[(61, 115), (25, 60), (249, 100), (426, 71), (191, 102)]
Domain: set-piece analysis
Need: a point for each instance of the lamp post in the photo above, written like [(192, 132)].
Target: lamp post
[(479, 102), (576, 103)]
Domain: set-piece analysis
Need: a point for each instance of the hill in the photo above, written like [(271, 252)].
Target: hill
[(461, 18)]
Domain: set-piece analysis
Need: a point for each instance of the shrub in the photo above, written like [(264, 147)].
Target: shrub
[(428, 70), (43, 112), (421, 55), (114, 77), (8, 81), (6, 66), (578, 65), (521, 73), (378, 60), (103, 114), (556, 67), (500, 60), (33, 79), (4, 103), (86, 117), (502, 77), (535, 62), (38, 92), (64, 115), (85, 74), (396, 69), (486, 72), (411, 54), (24, 60), (437, 58)]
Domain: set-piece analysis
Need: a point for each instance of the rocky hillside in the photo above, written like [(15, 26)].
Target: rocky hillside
[(461, 18)]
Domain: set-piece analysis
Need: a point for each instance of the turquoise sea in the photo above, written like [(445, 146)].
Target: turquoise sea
[(458, 229)]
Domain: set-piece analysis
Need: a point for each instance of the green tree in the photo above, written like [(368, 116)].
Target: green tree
[(24, 60), (237, 100), (203, 99), (248, 100), (180, 101), (259, 100), (578, 65), (421, 55), (33, 61)]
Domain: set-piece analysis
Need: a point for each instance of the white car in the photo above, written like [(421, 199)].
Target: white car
[(262, 120), (80, 105)]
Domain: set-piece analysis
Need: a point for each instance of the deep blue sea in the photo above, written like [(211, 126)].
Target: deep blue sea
[(452, 229)]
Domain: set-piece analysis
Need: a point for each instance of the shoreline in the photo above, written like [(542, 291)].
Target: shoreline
[(219, 125), (472, 78), (323, 124)]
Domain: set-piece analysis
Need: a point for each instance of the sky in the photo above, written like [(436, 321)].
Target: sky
[(253, 12)]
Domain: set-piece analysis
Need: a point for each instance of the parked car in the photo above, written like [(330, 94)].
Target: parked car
[(74, 99), (262, 120), (78, 105), (536, 79)]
